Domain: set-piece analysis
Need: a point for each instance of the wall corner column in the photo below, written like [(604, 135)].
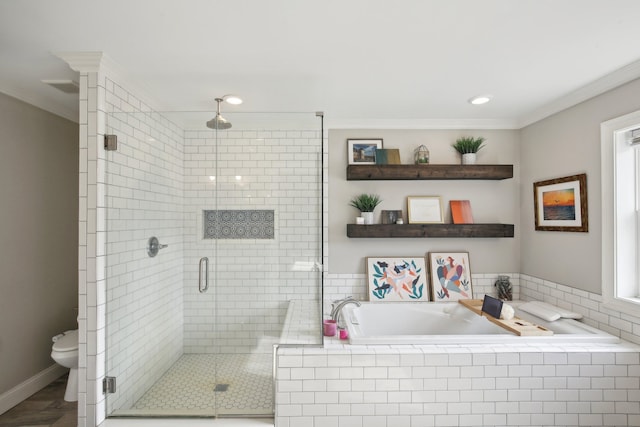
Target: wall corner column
[(91, 237)]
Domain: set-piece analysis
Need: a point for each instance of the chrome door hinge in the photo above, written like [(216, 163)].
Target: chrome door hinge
[(109, 385), (111, 142)]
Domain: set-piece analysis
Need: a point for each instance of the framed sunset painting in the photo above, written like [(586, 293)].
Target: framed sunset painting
[(561, 204)]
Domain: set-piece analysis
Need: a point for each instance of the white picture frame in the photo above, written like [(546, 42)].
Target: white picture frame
[(363, 151), (425, 210)]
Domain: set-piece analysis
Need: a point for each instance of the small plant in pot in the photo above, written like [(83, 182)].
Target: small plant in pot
[(468, 146), (366, 203)]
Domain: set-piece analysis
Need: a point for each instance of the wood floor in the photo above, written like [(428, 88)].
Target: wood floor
[(46, 408)]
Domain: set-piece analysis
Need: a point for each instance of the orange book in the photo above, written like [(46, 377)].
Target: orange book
[(461, 211)]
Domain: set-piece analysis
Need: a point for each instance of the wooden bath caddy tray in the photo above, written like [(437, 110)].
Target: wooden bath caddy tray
[(516, 325)]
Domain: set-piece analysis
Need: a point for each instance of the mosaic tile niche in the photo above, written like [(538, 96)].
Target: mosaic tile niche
[(238, 224)]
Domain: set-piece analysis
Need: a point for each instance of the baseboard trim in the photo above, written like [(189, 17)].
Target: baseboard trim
[(11, 398)]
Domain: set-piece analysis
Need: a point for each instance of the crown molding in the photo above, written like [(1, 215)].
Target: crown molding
[(82, 62), (419, 123), (610, 81), (94, 62)]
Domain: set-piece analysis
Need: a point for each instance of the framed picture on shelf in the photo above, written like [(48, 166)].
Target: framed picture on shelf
[(425, 210), (561, 204), (450, 275), (461, 211), (387, 156), (363, 151), (397, 279)]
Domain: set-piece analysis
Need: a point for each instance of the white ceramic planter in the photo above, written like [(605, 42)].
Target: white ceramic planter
[(469, 159), (368, 217)]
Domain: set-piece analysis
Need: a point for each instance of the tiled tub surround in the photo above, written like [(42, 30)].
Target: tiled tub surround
[(464, 385)]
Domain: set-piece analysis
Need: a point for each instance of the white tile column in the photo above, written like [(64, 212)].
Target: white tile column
[(91, 242)]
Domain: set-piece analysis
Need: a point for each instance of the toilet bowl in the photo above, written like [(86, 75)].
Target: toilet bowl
[(65, 353)]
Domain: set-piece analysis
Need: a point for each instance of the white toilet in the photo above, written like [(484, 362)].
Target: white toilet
[(65, 353)]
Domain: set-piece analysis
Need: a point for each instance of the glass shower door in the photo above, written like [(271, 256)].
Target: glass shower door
[(266, 225), (144, 193)]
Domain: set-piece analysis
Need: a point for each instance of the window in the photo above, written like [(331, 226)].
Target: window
[(620, 149)]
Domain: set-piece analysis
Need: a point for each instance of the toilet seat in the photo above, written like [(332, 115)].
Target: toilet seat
[(68, 342)]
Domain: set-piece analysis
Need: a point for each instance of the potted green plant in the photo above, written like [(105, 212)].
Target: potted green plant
[(366, 203), (468, 146)]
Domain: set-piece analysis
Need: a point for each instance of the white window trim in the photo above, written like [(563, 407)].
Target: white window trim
[(619, 267)]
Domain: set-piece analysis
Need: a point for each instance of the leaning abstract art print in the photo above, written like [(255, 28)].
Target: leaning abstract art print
[(561, 204), (450, 274), (397, 279)]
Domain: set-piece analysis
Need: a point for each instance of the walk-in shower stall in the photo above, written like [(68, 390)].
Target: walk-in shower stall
[(210, 234)]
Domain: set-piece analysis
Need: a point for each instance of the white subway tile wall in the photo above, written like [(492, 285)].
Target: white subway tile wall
[(337, 286), (588, 304)]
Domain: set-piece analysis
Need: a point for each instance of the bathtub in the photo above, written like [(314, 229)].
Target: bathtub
[(450, 323)]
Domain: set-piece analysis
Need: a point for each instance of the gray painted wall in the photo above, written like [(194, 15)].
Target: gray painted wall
[(491, 201), (565, 144), (38, 236)]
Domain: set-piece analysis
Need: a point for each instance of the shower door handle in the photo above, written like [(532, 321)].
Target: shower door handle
[(203, 286)]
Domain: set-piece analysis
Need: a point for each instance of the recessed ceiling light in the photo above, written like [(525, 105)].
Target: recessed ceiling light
[(232, 99), (479, 100)]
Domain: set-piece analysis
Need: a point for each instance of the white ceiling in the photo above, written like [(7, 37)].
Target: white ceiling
[(362, 62)]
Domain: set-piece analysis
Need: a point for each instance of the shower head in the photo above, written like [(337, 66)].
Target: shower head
[(218, 122)]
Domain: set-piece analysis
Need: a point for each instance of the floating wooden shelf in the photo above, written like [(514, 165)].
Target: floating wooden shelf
[(429, 230), (418, 172)]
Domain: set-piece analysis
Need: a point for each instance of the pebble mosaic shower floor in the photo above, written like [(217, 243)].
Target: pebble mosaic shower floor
[(187, 389)]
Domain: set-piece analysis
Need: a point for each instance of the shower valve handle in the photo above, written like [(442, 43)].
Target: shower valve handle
[(153, 246)]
